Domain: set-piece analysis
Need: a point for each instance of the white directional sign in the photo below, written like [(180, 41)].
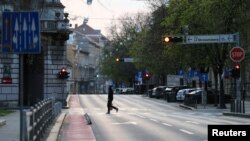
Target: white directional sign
[(128, 59), (20, 32), (202, 39)]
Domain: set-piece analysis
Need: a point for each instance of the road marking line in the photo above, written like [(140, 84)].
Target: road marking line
[(193, 122), (132, 122), (166, 124), (153, 120), (140, 116), (185, 131)]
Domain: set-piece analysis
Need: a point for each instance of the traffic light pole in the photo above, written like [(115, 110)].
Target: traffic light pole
[(209, 39), (237, 98), (21, 92)]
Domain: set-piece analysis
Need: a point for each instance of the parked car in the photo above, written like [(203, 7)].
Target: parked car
[(195, 96), (118, 91), (210, 96), (180, 96), (171, 91), (149, 93), (158, 92), (127, 91)]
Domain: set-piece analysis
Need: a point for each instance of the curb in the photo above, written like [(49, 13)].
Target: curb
[(236, 114), (224, 113), (187, 107), (2, 122), (54, 132), (88, 119)]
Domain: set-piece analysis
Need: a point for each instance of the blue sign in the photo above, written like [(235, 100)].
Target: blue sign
[(204, 77), (191, 73), (139, 74), (180, 72), (227, 72), (21, 32)]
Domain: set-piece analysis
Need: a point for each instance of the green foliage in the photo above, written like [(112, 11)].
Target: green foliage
[(4, 112), (203, 17)]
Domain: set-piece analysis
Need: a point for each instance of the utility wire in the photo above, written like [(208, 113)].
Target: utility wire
[(104, 6)]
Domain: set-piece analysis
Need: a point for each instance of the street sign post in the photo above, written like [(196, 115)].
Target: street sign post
[(20, 32), (205, 39), (237, 54), (21, 35)]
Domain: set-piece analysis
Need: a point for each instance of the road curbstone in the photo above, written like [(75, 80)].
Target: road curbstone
[(55, 130), (2, 122), (236, 114), (187, 107)]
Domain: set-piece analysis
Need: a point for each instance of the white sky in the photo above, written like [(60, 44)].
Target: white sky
[(100, 12)]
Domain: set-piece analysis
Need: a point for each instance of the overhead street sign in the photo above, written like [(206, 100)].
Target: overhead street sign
[(128, 59), (237, 54), (21, 32), (202, 39)]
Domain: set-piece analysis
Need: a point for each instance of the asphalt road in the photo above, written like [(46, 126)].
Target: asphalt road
[(148, 119)]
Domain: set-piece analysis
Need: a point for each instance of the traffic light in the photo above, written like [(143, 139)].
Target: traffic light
[(63, 74), (166, 39), (235, 72), (147, 76), (119, 60)]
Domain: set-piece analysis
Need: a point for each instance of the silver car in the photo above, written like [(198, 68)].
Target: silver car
[(180, 96)]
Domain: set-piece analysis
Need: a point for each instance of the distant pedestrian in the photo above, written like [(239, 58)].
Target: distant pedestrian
[(110, 100)]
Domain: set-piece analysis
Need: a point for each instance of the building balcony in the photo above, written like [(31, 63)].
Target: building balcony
[(52, 4), (48, 26), (54, 26), (57, 28)]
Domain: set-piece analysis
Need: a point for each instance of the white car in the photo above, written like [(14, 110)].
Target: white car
[(180, 96), (127, 91)]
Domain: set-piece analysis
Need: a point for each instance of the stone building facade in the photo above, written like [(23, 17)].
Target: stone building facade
[(40, 79)]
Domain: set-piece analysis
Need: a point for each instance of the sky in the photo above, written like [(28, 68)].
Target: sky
[(101, 12)]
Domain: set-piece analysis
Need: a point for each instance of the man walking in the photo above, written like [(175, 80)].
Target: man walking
[(110, 100)]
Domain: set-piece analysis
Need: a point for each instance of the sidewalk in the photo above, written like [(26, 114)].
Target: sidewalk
[(71, 125), (75, 126), (10, 127)]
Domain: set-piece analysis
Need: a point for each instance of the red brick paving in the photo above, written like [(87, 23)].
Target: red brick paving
[(75, 126)]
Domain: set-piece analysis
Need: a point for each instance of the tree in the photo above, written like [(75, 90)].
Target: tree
[(208, 17), (168, 17), (121, 38)]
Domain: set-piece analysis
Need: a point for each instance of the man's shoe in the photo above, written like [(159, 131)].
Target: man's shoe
[(117, 109), (108, 113)]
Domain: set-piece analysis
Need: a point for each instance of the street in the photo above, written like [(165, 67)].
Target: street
[(142, 118)]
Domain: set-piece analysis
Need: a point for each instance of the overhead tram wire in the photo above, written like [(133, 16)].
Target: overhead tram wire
[(75, 17), (111, 11)]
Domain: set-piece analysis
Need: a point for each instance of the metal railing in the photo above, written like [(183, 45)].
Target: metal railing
[(39, 117)]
